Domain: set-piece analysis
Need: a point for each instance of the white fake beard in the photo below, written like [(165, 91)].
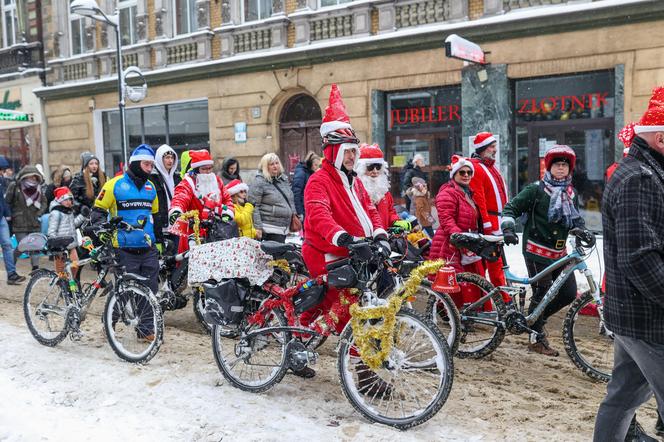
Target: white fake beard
[(376, 187), (207, 186)]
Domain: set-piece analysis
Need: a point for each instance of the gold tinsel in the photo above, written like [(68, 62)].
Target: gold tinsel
[(374, 342), (280, 263), (197, 223)]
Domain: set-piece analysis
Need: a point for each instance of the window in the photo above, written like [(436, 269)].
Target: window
[(324, 3), (256, 9), (127, 21), (10, 22), (78, 40), (183, 126), (185, 16)]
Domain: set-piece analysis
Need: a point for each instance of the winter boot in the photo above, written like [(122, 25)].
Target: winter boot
[(659, 426), (306, 372), (541, 346), (370, 384), (636, 433)]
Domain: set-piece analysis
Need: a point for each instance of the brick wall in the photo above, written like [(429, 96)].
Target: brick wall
[(475, 9)]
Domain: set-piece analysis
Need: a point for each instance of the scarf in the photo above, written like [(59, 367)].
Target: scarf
[(32, 192), (561, 206)]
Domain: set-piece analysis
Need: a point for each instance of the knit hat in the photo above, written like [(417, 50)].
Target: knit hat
[(62, 194), (651, 121), (337, 133), (142, 153), (236, 186), (86, 157), (458, 162), (482, 140), (560, 153), (200, 158)]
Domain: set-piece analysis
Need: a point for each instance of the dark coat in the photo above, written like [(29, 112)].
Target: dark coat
[(161, 217), (227, 177), (457, 212), (633, 222), (24, 219), (415, 172), (77, 188), (300, 178), (5, 210)]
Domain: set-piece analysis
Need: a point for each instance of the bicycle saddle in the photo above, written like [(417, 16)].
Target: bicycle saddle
[(276, 248), (59, 243)]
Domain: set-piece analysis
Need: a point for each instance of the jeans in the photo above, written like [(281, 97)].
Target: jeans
[(6, 243), (563, 298), (637, 375), (34, 259)]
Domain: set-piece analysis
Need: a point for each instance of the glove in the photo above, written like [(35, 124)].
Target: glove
[(160, 248), (510, 237), (403, 224), (105, 236), (174, 217), (345, 240)]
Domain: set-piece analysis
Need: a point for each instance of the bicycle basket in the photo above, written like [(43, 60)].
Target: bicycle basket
[(308, 298), (224, 302), (341, 274), (34, 242)]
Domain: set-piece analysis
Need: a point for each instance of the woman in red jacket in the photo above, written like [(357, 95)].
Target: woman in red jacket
[(457, 212)]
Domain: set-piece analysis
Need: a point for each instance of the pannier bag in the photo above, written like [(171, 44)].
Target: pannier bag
[(310, 297), (224, 302), (341, 274), (34, 242)]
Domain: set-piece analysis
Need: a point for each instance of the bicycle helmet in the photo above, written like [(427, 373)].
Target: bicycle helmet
[(336, 131)]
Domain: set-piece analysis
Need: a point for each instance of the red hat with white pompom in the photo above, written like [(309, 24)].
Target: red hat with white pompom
[(62, 194), (651, 121), (482, 140), (236, 186), (200, 158), (458, 162)]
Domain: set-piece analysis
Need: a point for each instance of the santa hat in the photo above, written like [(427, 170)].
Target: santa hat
[(200, 158), (458, 162), (142, 153), (651, 121), (369, 154), (62, 194), (336, 120), (482, 140), (236, 186), (560, 153)]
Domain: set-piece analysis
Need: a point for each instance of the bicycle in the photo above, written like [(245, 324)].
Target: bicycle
[(394, 365), (588, 342), (55, 305)]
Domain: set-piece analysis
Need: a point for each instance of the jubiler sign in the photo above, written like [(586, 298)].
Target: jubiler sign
[(430, 114)]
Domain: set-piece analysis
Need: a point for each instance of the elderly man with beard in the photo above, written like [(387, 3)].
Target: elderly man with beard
[(199, 190), (372, 170)]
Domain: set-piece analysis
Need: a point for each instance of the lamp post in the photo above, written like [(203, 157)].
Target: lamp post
[(89, 8)]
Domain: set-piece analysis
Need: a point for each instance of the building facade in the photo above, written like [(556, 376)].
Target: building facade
[(250, 77)]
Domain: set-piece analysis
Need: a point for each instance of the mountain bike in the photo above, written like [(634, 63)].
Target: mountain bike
[(394, 365), (55, 304), (588, 342)]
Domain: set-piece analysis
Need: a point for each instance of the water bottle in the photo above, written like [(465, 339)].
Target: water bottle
[(306, 285)]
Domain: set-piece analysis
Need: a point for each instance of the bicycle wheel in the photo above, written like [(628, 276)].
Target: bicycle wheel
[(45, 307), (480, 332), (255, 363), (402, 393), (587, 341), (199, 308), (133, 322), (443, 313)]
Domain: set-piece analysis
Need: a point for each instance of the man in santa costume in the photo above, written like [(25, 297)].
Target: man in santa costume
[(490, 195), (200, 189), (339, 211), (372, 170)]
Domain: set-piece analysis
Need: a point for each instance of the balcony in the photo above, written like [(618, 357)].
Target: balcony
[(20, 57), (188, 48), (501, 6), (254, 36)]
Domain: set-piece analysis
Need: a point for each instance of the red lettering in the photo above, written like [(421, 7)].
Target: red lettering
[(543, 103), (523, 103), (414, 117), (394, 116), (601, 98), (442, 116), (454, 112), (422, 116), (575, 101), (430, 120)]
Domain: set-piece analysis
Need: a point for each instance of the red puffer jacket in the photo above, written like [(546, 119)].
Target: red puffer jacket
[(457, 212), (386, 211)]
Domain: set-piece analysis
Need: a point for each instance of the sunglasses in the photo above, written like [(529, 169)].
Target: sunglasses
[(465, 172), (375, 166)]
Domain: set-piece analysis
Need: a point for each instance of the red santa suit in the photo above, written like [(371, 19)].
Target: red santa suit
[(490, 195), (335, 203), (193, 194), (378, 188)]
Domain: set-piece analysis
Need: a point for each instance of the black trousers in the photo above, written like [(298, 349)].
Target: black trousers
[(274, 237), (145, 264), (563, 298)]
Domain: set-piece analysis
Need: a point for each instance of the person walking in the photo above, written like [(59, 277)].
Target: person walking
[(87, 184), (27, 203), (303, 172), (458, 213), (633, 227), (13, 278), (273, 201), (551, 206)]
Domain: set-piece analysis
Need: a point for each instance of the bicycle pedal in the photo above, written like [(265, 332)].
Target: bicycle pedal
[(76, 335)]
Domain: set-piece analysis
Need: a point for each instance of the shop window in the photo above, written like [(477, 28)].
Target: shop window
[(425, 121), (128, 13), (183, 126), (256, 9), (324, 3), (185, 16), (10, 22)]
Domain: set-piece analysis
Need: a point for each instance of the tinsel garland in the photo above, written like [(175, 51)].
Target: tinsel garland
[(374, 342), (197, 223)]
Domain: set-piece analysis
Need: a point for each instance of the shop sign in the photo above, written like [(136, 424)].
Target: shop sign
[(594, 100), (9, 104), (15, 116), (430, 114), (466, 50)]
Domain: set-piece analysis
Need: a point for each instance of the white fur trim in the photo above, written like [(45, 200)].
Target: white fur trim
[(462, 162), (141, 158), (486, 142), (201, 163), (361, 214), (486, 225), (379, 232), (644, 129), (331, 126), (237, 188), (336, 236), (339, 160), (499, 202)]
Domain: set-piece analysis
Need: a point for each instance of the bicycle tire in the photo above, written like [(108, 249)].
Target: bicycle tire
[(199, 308), (220, 343), (469, 325), (399, 368), (574, 343), (123, 302), (28, 312), (448, 315)]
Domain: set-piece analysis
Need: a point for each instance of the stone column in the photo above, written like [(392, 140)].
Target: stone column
[(203, 14), (163, 19), (493, 7), (618, 109), (386, 16), (458, 10), (141, 21)]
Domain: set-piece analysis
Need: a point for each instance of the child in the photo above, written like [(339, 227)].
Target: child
[(243, 210), (63, 222), (419, 196)]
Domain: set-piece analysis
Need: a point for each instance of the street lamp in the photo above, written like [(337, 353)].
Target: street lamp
[(89, 8)]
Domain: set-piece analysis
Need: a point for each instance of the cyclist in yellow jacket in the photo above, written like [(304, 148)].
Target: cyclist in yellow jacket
[(243, 210)]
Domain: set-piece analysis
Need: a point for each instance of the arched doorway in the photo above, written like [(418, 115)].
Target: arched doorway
[(299, 130)]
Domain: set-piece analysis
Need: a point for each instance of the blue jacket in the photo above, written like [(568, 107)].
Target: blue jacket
[(300, 178), (5, 210)]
